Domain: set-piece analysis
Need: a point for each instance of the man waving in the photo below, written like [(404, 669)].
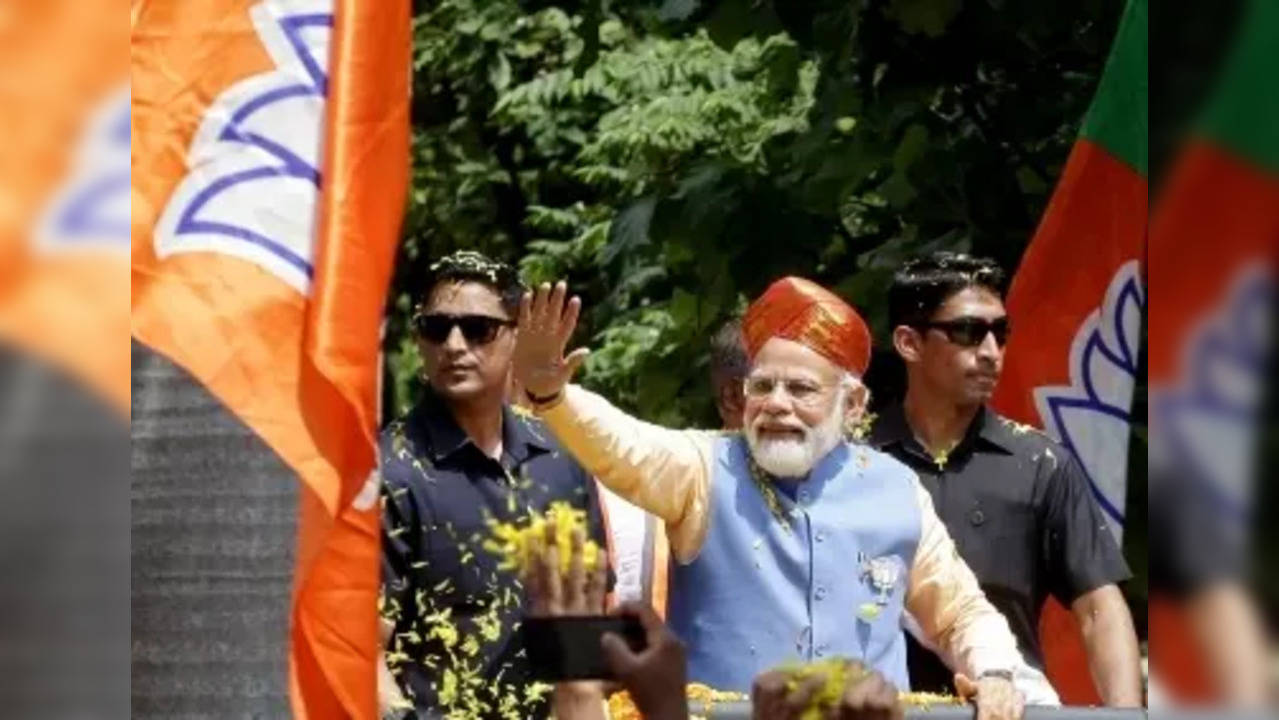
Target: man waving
[(791, 543)]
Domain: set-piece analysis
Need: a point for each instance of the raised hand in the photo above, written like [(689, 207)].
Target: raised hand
[(551, 593), (546, 323)]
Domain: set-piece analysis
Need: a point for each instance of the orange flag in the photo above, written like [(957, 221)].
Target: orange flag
[(64, 179), (1076, 305), (270, 164), (1214, 263)]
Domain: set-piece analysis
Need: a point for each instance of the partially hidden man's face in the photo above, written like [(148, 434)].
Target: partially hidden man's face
[(459, 367), (730, 402), (963, 369), (796, 407)]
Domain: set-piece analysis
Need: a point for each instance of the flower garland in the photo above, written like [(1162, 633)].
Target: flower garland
[(764, 483)]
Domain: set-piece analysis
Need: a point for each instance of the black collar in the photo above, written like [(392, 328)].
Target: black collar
[(994, 431), (987, 431), (433, 422)]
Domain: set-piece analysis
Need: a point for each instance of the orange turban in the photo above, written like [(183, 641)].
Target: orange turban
[(803, 311)]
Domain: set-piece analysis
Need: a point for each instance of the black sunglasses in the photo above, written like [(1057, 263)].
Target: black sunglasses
[(476, 329), (971, 332)]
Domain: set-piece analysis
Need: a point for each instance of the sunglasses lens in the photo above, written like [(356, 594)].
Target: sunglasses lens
[(478, 330), (971, 332), (968, 333), (999, 329), (434, 328)]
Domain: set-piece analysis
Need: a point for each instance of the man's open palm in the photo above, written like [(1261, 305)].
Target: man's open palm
[(546, 323)]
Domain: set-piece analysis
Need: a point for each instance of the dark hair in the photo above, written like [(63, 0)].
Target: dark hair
[(924, 284), (728, 352), (471, 266)]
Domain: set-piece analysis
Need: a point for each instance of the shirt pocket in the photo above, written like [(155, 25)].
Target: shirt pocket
[(459, 573), (1007, 544)]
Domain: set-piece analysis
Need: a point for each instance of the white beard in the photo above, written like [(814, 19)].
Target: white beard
[(795, 457)]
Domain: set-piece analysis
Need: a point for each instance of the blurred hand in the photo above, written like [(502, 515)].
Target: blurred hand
[(871, 697), (552, 593), (867, 696), (546, 323), (772, 700), (656, 677), (996, 698), (580, 592)]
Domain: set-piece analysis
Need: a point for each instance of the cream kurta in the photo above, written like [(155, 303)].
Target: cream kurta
[(668, 473)]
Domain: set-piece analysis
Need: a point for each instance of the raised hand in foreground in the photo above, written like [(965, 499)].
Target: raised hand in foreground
[(552, 593)]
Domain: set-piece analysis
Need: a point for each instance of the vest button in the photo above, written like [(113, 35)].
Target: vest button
[(821, 535), (821, 593), (977, 517)]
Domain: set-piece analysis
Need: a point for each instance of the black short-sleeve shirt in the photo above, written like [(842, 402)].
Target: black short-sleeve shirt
[(455, 612), (1023, 516)]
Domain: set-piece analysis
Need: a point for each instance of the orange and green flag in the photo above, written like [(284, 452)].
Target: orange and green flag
[(1212, 264), (1076, 304)]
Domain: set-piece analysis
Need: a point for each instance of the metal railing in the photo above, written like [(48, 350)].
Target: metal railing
[(742, 711)]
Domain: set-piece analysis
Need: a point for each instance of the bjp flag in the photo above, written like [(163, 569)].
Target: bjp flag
[(64, 178), (1076, 306), (1212, 259), (269, 170)]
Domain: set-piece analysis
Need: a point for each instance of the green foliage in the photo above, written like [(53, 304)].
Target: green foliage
[(670, 159)]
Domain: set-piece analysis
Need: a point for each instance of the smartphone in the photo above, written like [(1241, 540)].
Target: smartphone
[(568, 647)]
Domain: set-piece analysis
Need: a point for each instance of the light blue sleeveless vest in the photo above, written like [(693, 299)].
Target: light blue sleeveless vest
[(758, 595)]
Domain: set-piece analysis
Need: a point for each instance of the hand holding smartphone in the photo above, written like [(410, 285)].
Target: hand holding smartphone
[(568, 647)]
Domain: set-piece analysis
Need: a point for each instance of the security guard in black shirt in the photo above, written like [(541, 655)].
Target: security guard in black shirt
[(1017, 504), (460, 459)]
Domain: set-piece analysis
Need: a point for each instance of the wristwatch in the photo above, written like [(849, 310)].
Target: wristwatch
[(1001, 674), (542, 400)]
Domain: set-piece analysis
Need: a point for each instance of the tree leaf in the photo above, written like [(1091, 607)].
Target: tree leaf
[(684, 310), (913, 145), (499, 72), (629, 231)]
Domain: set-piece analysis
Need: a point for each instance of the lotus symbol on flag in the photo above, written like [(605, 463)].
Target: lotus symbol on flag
[(253, 180), (92, 208), (1208, 421), (1091, 415)]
